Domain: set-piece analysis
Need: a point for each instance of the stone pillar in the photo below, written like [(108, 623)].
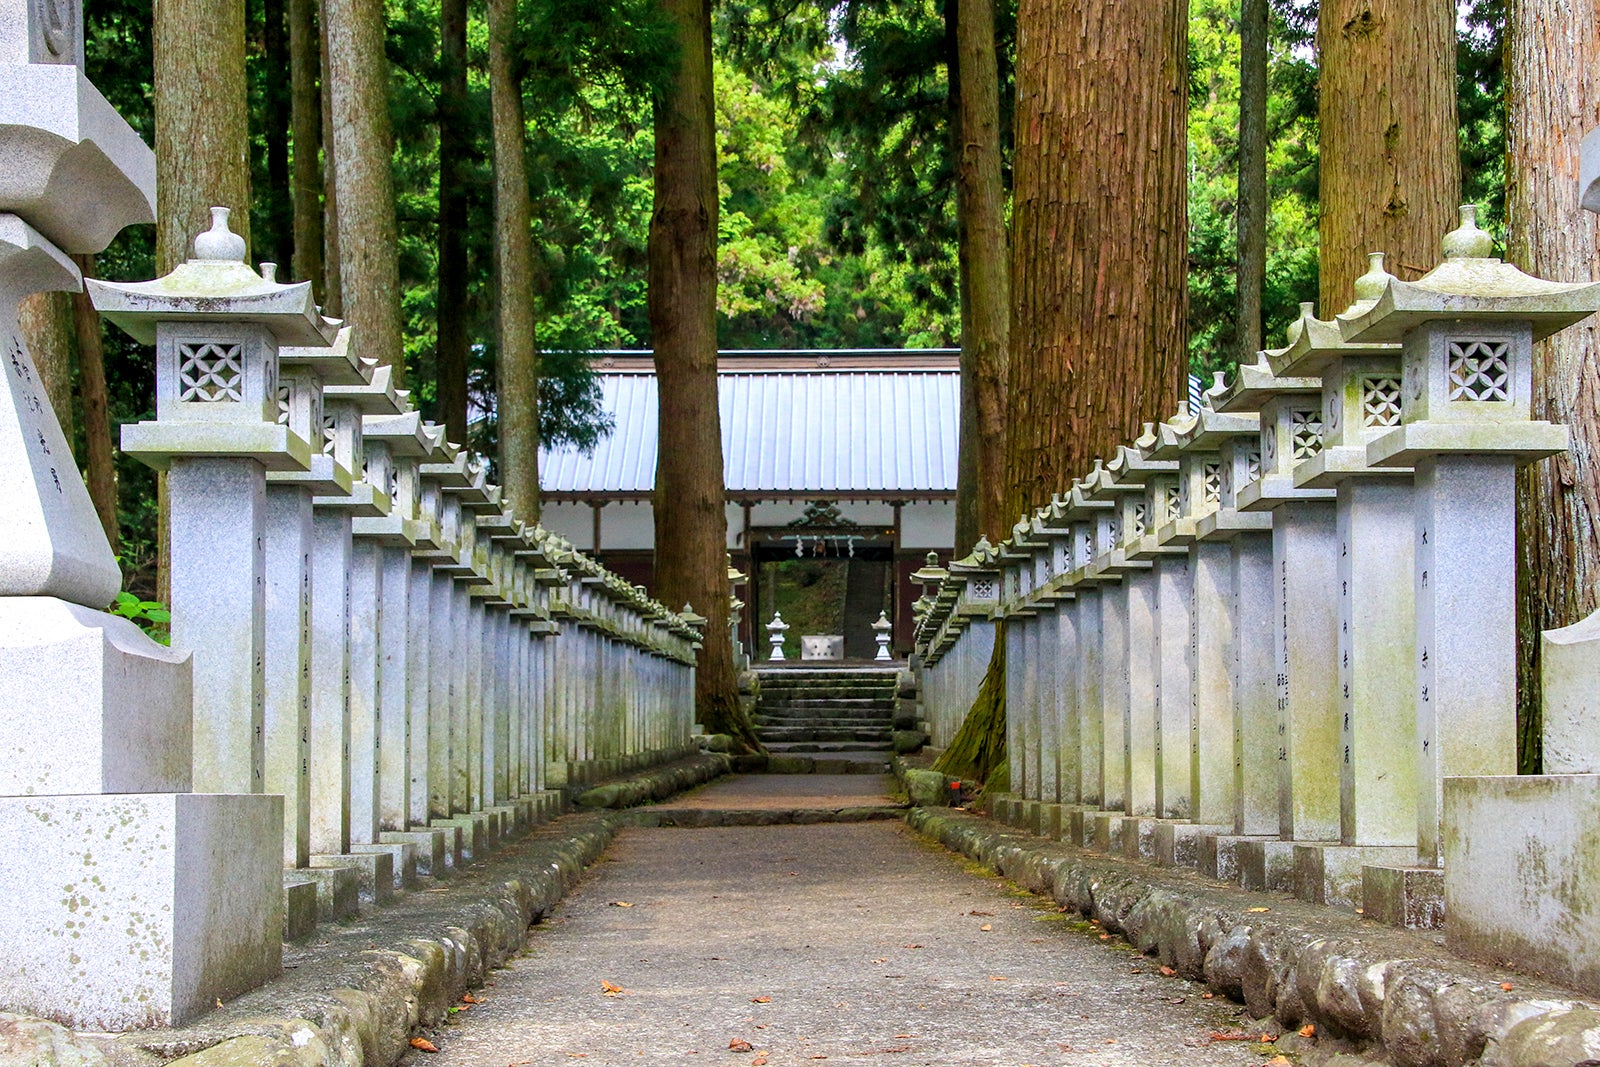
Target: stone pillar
[(1467, 331)]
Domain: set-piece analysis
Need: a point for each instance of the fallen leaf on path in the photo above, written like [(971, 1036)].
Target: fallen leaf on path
[(1308, 1030), (468, 998), (1174, 1000), (910, 946), (761, 1000), (1105, 937), (1255, 911), (611, 989), (1169, 972), (1279, 1060), (883, 960), (759, 1061), (1208, 996), (739, 1044), (1506, 986), (424, 1045), (1231, 1035), (980, 913), (620, 904), (986, 927), (996, 978)]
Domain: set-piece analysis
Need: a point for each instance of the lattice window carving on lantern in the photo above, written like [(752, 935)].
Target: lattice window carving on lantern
[(1253, 464), (983, 589), (1141, 518), (1172, 499), (330, 433), (1305, 432), (1115, 532), (284, 393), (1211, 476), (1380, 402), (1088, 547), (210, 373), (1480, 370)]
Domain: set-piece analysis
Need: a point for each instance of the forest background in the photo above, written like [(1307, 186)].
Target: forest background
[(836, 178)]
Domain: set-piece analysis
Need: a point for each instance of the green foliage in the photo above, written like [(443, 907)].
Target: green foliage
[(153, 618)]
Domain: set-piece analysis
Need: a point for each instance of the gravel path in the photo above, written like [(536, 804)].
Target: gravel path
[(853, 942)]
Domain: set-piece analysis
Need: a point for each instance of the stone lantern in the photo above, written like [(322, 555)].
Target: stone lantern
[(217, 326), (1466, 331), (775, 632)]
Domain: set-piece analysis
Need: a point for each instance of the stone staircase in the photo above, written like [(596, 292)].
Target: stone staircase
[(829, 720)]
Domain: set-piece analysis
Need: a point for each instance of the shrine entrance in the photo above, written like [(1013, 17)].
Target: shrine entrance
[(829, 578)]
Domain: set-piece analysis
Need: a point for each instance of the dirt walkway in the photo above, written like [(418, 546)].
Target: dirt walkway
[(856, 942)]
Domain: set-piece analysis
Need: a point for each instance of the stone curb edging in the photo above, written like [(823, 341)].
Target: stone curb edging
[(1388, 991), (358, 996), (657, 783)]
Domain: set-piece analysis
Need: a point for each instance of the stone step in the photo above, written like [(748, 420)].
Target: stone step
[(823, 722), (831, 747), (792, 733), (812, 699), (826, 692), (827, 712)]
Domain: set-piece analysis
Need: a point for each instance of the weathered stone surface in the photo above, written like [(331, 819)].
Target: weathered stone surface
[(1569, 675), (658, 783), (909, 741), (29, 1042), (1391, 993), (1560, 1038)]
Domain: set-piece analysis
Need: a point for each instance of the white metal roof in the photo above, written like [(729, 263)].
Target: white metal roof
[(836, 432)]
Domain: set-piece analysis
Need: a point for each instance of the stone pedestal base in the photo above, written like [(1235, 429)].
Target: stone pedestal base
[(428, 844), (474, 833), (1178, 843), (511, 821), (1522, 873), (1265, 864), (456, 841), (403, 857), (1030, 818), (1050, 817), (139, 910), (299, 906), (1102, 831), (1004, 808), (1141, 836), (338, 891), (1331, 874), (1412, 897), (1219, 855), (374, 873)]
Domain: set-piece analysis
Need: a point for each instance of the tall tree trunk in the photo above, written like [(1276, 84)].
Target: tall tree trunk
[(278, 243), (1098, 260), (1099, 235), (1391, 168), (358, 116), (45, 320), (202, 135), (99, 458), (333, 289), (518, 360), (1253, 209), (305, 125), (985, 273), (453, 146), (202, 129), (691, 523), (1552, 98)]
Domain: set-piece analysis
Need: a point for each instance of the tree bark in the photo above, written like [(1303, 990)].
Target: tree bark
[(202, 129), (358, 117), (517, 364), (45, 320), (1099, 236), (276, 115), (1391, 169), (1251, 217), (333, 290), (99, 456), (985, 272), (201, 138), (305, 125), (451, 320), (691, 523), (1552, 101)]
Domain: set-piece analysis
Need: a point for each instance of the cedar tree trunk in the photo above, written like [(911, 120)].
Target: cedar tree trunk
[(358, 118), (690, 518), (985, 273), (305, 125), (518, 363), (1552, 101), (453, 146), (277, 117), (45, 320), (1391, 169), (1253, 205), (99, 458)]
